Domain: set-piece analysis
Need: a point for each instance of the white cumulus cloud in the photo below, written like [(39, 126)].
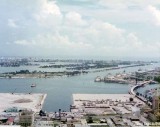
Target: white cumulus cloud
[(48, 13), (74, 18), (155, 14)]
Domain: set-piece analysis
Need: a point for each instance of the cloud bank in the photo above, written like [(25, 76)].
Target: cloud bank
[(83, 28)]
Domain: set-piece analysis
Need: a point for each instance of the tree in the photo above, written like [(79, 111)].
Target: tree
[(130, 99), (90, 120), (137, 93), (157, 79)]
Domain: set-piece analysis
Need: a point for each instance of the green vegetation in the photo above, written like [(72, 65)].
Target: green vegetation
[(157, 79), (90, 120), (40, 74)]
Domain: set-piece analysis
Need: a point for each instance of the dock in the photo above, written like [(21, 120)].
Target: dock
[(32, 101)]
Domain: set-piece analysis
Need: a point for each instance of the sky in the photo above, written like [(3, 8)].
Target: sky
[(82, 28)]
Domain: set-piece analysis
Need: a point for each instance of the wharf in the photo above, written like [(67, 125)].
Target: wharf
[(32, 102), (104, 103)]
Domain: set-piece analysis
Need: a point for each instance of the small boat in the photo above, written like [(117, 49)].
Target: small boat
[(33, 85), (98, 79)]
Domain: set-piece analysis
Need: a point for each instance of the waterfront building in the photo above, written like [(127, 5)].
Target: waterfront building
[(156, 107), (155, 103), (136, 111), (26, 118)]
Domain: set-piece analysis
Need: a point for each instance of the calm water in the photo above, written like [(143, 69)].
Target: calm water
[(60, 89)]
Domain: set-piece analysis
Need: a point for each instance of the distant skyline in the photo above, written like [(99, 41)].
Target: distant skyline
[(84, 28)]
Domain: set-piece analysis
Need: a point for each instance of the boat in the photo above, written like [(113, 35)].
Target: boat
[(33, 85), (98, 79)]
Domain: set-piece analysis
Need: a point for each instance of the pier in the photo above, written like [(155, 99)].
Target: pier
[(137, 86), (132, 91), (33, 102)]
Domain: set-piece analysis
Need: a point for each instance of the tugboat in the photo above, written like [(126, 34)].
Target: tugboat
[(33, 85)]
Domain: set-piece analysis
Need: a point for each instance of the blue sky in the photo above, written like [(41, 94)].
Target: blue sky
[(96, 28)]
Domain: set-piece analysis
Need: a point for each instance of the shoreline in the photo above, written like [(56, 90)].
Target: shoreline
[(12, 75), (33, 101), (43, 100)]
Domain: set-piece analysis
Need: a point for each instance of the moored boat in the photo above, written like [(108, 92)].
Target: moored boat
[(33, 85)]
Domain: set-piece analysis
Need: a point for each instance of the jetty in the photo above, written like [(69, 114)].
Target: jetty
[(132, 90)]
